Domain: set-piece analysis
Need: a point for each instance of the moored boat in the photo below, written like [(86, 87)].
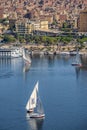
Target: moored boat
[(10, 53)]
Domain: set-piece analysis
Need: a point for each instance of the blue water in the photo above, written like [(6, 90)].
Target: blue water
[(62, 87)]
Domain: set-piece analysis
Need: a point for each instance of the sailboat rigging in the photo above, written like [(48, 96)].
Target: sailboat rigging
[(34, 105)]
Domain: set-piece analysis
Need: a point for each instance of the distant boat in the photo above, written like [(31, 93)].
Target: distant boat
[(26, 57), (34, 105), (77, 61)]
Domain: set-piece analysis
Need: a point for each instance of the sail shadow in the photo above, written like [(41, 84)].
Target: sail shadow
[(35, 124)]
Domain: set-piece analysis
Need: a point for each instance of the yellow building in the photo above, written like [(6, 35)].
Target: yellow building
[(48, 18), (44, 24)]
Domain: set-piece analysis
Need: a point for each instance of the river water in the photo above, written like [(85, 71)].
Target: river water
[(62, 87)]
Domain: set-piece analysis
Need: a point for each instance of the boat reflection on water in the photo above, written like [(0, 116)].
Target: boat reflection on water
[(26, 67), (77, 70), (5, 62), (34, 123)]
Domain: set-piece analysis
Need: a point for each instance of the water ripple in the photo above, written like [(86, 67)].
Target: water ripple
[(4, 75)]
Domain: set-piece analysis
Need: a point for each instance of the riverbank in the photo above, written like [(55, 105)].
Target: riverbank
[(53, 49)]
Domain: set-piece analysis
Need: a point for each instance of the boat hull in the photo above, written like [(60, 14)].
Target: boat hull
[(36, 115)]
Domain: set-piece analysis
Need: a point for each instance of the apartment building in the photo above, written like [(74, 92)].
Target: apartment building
[(24, 27)]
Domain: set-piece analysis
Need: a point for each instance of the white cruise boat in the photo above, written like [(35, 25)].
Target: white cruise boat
[(16, 52), (11, 52)]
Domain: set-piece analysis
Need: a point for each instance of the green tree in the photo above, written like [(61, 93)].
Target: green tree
[(9, 38)]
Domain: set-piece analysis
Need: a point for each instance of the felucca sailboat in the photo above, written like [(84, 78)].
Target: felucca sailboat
[(34, 105)]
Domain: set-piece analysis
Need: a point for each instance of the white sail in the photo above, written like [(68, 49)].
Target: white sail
[(31, 104), (34, 104), (40, 108)]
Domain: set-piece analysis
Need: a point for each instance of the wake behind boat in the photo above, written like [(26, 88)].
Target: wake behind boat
[(34, 105)]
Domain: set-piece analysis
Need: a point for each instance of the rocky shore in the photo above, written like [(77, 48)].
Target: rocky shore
[(54, 49)]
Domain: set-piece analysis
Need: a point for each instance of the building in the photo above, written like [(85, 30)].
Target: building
[(23, 27), (1, 12), (82, 25), (36, 24), (48, 18), (44, 25)]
